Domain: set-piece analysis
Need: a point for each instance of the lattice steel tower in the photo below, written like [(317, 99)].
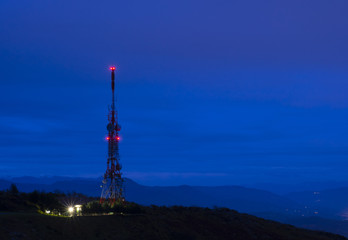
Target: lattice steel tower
[(112, 188)]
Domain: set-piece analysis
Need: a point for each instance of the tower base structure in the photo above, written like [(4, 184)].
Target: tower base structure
[(112, 191)]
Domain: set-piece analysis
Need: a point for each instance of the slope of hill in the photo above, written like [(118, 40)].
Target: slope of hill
[(155, 223), (313, 222), (317, 223)]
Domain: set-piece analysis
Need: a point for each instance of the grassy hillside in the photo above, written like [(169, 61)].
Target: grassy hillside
[(19, 220), (154, 223)]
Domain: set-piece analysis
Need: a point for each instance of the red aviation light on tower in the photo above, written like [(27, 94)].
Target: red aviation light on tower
[(118, 138), (107, 138), (112, 68)]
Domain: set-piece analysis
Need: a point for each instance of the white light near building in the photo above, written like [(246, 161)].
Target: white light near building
[(78, 208), (70, 209)]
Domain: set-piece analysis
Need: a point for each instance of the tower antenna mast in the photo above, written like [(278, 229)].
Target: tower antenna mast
[(112, 188)]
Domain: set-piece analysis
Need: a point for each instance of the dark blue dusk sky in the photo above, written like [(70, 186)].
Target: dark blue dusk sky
[(209, 92)]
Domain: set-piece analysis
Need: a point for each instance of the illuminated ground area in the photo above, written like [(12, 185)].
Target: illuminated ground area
[(155, 223)]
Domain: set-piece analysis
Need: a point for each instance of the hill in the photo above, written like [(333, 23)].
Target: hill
[(155, 223), (12, 200)]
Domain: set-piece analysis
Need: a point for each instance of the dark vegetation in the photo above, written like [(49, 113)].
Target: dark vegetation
[(133, 221), (94, 207), (11, 200)]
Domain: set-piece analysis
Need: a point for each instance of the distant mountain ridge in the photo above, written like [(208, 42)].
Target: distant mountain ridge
[(242, 199), (333, 203)]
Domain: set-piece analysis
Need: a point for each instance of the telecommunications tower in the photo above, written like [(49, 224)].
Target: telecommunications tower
[(112, 188)]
